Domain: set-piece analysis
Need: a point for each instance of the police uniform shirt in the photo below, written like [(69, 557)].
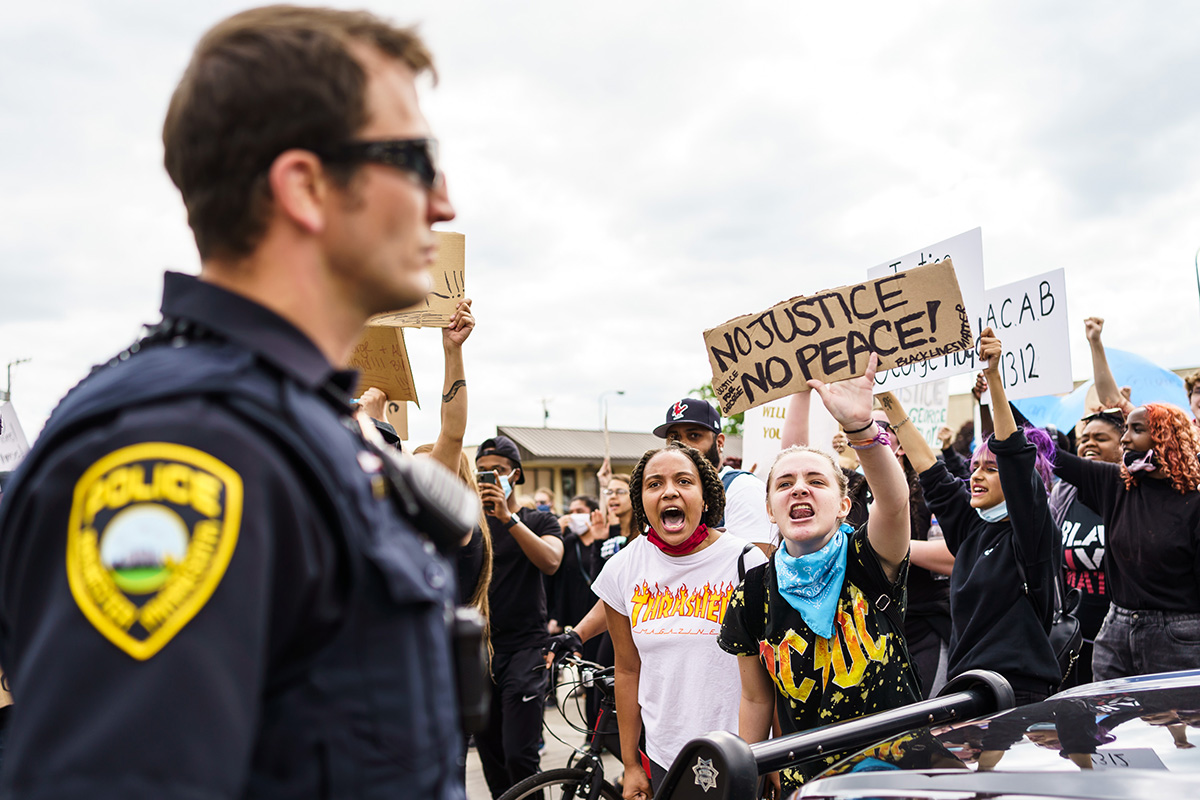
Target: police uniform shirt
[(169, 586)]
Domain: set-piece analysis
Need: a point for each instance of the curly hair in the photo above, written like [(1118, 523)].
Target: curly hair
[(1175, 444), (1043, 463), (710, 485)]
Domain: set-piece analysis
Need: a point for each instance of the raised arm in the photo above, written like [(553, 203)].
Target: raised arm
[(850, 403), (1109, 394), (919, 453), (448, 448), (990, 351), (795, 422)]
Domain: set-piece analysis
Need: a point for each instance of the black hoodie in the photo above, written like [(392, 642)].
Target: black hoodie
[(995, 624)]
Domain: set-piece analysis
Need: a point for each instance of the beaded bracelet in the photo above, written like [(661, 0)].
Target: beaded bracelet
[(881, 438)]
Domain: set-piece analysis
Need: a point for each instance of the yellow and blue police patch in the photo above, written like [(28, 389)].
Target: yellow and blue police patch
[(152, 529)]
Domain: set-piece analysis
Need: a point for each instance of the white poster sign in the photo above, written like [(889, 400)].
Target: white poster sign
[(966, 251), (927, 406), (13, 445), (762, 430), (1030, 317)]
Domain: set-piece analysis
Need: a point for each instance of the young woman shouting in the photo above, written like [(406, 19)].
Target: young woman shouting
[(811, 628), (664, 594)]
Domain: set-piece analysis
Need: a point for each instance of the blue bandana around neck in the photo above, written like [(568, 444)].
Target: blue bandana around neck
[(995, 513), (812, 583)]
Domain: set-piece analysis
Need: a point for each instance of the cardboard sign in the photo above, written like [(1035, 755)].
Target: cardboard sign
[(13, 445), (382, 361), (1030, 317), (448, 287), (397, 415), (905, 318), (966, 251), (927, 406)]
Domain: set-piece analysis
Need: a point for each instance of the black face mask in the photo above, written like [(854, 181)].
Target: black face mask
[(1140, 461)]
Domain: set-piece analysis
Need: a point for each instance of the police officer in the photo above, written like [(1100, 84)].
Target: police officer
[(211, 583)]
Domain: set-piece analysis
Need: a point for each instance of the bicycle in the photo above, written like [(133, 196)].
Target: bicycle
[(583, 777)]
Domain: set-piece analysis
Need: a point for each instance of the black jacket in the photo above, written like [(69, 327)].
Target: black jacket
[(996, 623)]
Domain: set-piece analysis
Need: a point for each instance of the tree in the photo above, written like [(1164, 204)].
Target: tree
[(732, 426)]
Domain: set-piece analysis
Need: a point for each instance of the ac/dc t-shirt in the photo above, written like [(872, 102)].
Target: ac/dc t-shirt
[(686, 686), (859, 670)]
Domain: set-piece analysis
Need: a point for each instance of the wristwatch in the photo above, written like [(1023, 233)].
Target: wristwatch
[(513, 520)]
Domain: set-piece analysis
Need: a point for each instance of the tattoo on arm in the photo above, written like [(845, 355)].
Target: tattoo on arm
[(886, 402), (454, 387)]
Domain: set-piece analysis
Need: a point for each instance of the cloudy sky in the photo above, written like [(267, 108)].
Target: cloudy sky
[(628, 174)]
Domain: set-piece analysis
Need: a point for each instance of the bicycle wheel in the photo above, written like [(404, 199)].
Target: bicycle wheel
[(558, 784)]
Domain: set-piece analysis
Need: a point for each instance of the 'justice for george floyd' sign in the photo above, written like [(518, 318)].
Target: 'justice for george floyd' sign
[(905, 318)]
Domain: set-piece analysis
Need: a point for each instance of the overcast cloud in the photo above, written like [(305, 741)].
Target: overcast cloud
[(628, 174)]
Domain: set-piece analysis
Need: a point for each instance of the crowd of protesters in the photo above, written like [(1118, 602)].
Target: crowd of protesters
[(860, 576)]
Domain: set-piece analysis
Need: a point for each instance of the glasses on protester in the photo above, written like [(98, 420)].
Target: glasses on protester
[(618, 492), (884, 425), (418, 156), (1113, 416)]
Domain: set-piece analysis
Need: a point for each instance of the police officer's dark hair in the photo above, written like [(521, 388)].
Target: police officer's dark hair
[(261, 82), (710, 485)]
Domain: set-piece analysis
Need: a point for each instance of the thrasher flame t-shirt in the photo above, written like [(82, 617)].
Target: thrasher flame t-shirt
[(687, 685)]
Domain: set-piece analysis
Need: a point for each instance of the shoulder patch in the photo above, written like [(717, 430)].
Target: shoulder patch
[(152, 529)]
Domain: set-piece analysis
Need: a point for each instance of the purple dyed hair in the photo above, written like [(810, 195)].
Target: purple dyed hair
[(1045, 453)]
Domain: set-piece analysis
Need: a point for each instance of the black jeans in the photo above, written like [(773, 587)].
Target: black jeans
[(508, 747), (1144, 642)]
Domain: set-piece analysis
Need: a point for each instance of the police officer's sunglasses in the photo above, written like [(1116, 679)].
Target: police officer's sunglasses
[(418, 156)]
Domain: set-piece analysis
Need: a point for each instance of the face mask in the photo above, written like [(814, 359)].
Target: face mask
[(505, 485), (995, 513), (1140, 461), (683, 548), (543, 506)]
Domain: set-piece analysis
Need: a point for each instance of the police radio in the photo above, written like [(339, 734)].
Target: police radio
[(432, 498), (472, 676)]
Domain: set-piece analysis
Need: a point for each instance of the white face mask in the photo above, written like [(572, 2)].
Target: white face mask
[(505, 485), (995, 513)]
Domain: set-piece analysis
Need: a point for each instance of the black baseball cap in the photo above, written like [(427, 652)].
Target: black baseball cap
[(693, 411), (501, 446)]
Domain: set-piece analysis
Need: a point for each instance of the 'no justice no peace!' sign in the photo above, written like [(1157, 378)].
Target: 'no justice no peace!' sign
[(906, 318)]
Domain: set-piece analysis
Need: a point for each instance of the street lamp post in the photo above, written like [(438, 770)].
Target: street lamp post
[(7, 395), (604, 404), (1196, 260)]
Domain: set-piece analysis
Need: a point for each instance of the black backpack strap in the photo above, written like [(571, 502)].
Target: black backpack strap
[(742, 561), (754, 595)]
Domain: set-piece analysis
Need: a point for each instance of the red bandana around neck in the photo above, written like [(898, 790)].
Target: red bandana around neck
[(683, 548)]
